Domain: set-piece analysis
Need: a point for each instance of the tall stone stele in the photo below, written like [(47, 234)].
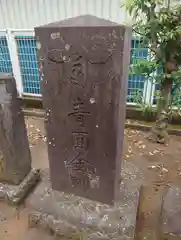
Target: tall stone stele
[(84, 64), (16, 176)]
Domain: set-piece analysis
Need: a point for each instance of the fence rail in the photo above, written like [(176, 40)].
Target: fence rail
[(18, 56)]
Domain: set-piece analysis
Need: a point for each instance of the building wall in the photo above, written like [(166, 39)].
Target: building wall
[(26, 14)]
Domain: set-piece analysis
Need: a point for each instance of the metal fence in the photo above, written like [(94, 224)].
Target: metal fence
[(18, 55), (5, 61), (26, 47)]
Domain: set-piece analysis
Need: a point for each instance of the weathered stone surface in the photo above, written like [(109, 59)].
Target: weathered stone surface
[(15, 158), (148, 224), (14, 194), (68, 215), (84, 65), (171, 217)]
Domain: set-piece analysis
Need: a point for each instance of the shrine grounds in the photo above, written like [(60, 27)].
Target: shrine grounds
[(146, 162)]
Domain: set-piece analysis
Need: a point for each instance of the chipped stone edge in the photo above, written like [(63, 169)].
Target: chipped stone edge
[(14, 194), (47, 222)]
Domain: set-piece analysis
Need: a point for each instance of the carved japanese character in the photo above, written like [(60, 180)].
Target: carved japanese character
[(78, 163), (98, 48), (80, 140), (77, 71), (79, 181), (58, 56), (78, 111)]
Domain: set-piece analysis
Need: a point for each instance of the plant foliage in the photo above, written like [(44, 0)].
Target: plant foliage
[(157, 22)]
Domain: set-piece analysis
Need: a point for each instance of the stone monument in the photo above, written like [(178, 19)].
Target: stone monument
[(84, 62), (16, 176), (83, 65)]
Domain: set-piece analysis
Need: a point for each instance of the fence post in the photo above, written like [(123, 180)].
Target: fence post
[(149, 86), (15, 60), (148, 92)]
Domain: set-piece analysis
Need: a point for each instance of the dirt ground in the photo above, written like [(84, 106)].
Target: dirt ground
[(158, 164)]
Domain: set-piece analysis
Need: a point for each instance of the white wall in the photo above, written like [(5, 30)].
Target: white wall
[(26, 14)]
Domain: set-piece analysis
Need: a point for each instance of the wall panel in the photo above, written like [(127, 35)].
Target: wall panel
[(26, 14)]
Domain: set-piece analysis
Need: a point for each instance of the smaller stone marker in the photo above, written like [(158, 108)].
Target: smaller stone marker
[(149, 214), (84, 64), (171, 215), (16, 176)]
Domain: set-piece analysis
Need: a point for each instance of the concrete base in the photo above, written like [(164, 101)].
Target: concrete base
[(80, 218), (14, 194)]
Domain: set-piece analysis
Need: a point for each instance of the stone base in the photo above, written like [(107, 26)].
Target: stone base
[(71, 216), (14, 194)]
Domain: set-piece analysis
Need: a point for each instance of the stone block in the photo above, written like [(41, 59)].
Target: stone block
[(15, 157), (71, 216)]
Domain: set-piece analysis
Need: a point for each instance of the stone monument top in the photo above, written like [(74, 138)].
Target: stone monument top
[(82, 21)]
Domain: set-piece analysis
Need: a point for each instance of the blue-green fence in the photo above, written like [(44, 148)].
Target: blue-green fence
[(26, 50), (5, 61), (28, 64)]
